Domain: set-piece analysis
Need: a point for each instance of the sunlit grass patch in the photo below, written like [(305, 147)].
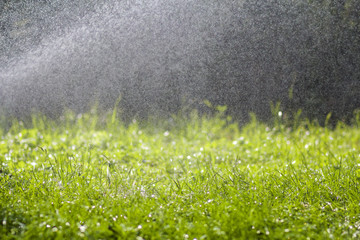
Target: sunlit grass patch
[(195, 178)]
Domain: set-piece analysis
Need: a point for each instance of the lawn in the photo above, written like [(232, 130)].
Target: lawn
[(180, 178)]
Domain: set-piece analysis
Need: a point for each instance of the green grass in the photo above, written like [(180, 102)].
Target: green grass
[(193, 178)]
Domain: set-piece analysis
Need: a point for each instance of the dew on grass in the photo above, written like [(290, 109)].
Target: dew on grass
[(33, 164), (82, 228), (8, 156)]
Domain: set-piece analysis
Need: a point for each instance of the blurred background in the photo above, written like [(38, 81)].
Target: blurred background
[(162, 56)]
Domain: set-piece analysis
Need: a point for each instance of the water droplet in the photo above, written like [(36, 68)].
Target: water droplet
[(82, 228)]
